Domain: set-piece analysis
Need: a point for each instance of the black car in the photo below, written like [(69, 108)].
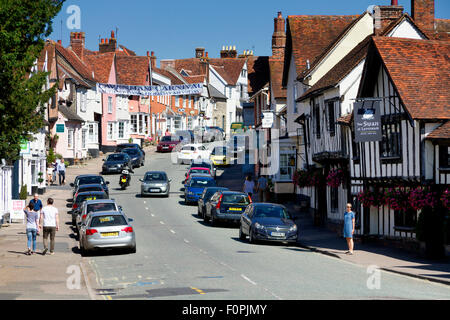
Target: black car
[(88, 188), (122, 146), (205, 197), (115, 162), (83, 196), (226, 206), (269, 222), (89, 179), (136, 155)]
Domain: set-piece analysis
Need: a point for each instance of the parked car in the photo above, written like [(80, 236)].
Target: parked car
[(136, 155), (122, 146), (204, 163), (205, 197), (215, 134), (197, 170), (107, 230), (90, 206), (167, 143), (84, 196), (185, 136), (88, 188), (220, 156), (192, 151), (155, 183), (267, 221), (89, 179), (195, 185), (226, 206), (115, 162)]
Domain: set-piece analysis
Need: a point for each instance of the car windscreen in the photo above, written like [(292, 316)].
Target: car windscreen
[(168, 139), (270, 212), (95, 207), (219, 151), (202, 183), (90, 180), (132, 152), (206, 171), (188, 148), (108, 221), (155, 177), (93, 188), (235, 199), (116, 157), (83, 197)]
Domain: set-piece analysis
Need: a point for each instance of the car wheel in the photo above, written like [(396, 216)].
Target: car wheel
[(250, 236), (213, 221), (241, 234), (132, 250), (84, 252), (205, 217)]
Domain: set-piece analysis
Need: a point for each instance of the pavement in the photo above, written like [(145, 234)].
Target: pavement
[(68, 276), (324, 241)]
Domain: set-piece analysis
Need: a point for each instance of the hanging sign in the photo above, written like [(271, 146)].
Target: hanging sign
[(367, 121), (267, 120), (175, 90)]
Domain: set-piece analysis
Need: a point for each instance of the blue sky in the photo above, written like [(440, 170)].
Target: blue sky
[(173, 29)]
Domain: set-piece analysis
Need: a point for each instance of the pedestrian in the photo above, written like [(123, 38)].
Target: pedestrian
[(349, 227), (262, 188), (50, 223), (49, 174), (55, 170), (249, 185), (36, 203), (62, 172), (32, 227)]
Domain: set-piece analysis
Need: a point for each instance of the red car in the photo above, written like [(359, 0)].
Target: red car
[(167, 143), (198, 170)]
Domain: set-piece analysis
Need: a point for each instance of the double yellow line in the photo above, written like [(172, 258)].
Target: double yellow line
[(198, 290)]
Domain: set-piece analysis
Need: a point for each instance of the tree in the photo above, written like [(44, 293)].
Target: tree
[(24, 24)]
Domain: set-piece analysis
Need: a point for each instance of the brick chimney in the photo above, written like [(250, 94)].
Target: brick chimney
[(152, 60), (278, 37), (228, 52), (422, 12), (385, 15), (199, 52), (77, 43), (108, 45)]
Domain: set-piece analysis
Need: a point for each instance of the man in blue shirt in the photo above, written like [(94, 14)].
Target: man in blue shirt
[(36, 203)]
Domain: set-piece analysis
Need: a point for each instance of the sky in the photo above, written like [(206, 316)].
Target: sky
[(173, 29)]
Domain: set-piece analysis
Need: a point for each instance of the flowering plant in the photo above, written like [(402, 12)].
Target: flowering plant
[(335, 178), (397, 198), (370, 198), (445, 198), (422, 197), (307, 178)]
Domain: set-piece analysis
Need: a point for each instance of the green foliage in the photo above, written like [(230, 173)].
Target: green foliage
[(51, 157), (23, 192), (24, 24)]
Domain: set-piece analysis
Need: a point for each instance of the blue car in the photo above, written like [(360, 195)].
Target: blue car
[(194, 186)]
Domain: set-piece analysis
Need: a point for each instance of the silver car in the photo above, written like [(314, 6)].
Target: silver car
[(155, 183), (91, 206), (107, 230)]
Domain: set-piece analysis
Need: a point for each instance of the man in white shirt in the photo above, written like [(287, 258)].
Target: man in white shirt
[(50, 223)]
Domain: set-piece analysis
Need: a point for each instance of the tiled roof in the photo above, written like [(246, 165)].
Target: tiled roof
[(309, 36), (276, 75), (132, 70), (440, 133), (82, 68), (69, 114), (442, 29), (101, 65), (341, 69), (420, 71), (191, 66), (258, 73), (228, 68)]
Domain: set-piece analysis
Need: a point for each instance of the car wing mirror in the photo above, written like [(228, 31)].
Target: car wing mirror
[(141, 180), (120, 208), (130, 220), (170, 180), (72, 185)]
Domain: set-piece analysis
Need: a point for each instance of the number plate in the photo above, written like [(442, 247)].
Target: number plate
[(110, 234), (124, 180), (277, 234), (235, 209), (186, 153), (154, 190)]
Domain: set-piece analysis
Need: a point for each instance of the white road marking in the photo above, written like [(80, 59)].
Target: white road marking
[(152, 214), (162, 222), (246, 278), (146, 208), (172, 231), (185, 240)]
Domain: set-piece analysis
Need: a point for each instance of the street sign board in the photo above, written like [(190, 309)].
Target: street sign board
[(17, 210), (267, 120), (60, 128), (367, 119)]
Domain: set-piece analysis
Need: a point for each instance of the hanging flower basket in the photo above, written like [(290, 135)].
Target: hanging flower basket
[(307, 178), (335, 178), (398, 198), (369, 198), (445, 198), (420, 198)]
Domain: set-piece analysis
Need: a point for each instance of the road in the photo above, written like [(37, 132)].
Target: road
[(180, 257)]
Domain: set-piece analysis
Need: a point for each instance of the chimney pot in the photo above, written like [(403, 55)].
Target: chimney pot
[(153, 53), (148, 54), (112, 34), (394, 2), (280, 16), (60, 42)]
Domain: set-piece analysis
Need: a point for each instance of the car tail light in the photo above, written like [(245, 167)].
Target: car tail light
[(250, 198), (219, 202), (128, 229), (75, 206), (84, 216), (90, 232)]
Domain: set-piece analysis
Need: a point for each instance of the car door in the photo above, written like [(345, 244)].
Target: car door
[(246, 221), (209, 204)]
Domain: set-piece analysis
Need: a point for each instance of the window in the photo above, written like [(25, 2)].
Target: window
[(334, 199), (134, 124), (316, 115), (390, 145), (83, 102), (121, 134), (141, 124), (70, 138), (294, 92), (196, 102), (331, 119), (177, 123), (110, 131), (189, 102), (287, 166), (83, 138), (406, 219), (110, 106), (444, 157)]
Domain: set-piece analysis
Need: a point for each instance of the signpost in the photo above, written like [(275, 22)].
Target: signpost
[(367, 120), (17, 210)]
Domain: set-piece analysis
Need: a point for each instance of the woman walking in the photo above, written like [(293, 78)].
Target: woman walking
[(249, 186), (32, 217), (349, 227)]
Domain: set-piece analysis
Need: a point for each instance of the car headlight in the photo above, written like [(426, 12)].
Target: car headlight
[(293, 228), (259, 226)]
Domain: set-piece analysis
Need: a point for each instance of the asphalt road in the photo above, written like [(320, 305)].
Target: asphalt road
[(180, 257)]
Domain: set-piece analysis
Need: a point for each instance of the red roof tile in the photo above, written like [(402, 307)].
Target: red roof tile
[(276, 75), (101, 65), (132, 70), (440, 133)]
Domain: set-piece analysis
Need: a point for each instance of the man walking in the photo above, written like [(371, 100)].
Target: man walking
[(62, 171), (262, 188), (36, 202), (50, 223)]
